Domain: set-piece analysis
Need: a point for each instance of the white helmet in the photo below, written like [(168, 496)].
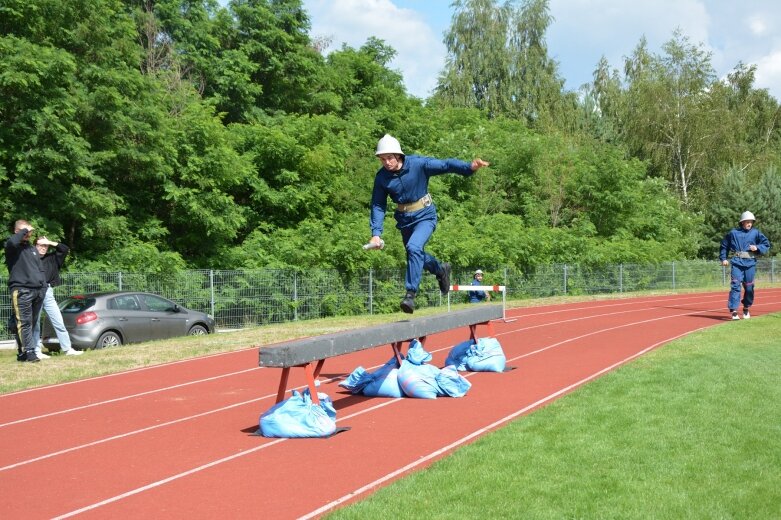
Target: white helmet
[(747, 215), (388, 144), (478, 272)]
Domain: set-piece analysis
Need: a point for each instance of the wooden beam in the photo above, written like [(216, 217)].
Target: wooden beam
[(299, 352)]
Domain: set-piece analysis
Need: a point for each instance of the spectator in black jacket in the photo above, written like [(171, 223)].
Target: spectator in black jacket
[(52, 262), (27, 285)]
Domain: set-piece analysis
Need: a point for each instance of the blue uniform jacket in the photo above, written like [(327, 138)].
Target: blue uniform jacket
[(407, 185), (476, 296), (738, 239)]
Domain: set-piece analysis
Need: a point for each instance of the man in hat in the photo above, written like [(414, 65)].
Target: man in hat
[(478, 296), (740, 248), (404, 178)]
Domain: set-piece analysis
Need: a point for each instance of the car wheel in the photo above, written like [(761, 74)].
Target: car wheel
[(197, 330), (109, 339)]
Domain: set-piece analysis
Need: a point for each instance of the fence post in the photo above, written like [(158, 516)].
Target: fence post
[(565, 279), (119, 280), (295, 296), (620, 278), (211, 289), (673, 276), (371, 291), (772, 270)]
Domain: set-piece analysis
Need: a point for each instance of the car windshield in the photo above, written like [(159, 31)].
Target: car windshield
[(74, 305)]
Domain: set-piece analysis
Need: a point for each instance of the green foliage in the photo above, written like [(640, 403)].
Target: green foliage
[(193, 133)]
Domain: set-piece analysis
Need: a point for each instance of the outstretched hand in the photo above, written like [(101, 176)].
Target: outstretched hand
[(479, 163)]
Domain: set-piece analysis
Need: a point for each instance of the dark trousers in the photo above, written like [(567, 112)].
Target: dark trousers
[(26, 306)]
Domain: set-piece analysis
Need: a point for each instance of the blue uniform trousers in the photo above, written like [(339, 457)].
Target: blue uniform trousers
[(415, 238), (741, 276)]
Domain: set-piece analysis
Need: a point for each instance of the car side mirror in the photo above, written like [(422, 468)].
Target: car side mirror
[(176, 308)]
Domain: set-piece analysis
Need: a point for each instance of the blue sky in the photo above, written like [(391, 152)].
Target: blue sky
[(582, 32)]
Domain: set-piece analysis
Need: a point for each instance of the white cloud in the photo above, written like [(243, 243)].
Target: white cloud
[(420, 53), (769, 72), (756, 25)]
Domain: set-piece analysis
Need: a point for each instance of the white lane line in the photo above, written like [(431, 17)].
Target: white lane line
[(126, 397)]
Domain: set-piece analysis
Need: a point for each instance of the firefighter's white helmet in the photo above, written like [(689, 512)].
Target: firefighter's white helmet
[(747, 215), (388, 144)]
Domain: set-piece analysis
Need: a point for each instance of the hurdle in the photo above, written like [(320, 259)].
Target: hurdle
[(310, 353), (494, 288)]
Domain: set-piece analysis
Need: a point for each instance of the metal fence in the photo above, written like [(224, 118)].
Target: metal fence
[(247, 298)]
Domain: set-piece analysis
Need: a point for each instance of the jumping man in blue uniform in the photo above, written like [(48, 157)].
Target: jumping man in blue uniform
[(405, 180), (744, 244)]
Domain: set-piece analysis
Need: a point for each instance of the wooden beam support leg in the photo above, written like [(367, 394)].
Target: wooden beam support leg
[(283, 384), (310, 381), (397, 351), (319, 367)]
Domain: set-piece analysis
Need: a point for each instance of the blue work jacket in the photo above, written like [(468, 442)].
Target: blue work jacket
[(738, 240), (407, 185)]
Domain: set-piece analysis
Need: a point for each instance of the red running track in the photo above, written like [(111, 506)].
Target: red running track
[(176, 440)]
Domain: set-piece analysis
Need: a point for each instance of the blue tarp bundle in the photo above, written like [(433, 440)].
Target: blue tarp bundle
[(415, 378), (484, 356), (383, 382), (298, 416), (418, 379)]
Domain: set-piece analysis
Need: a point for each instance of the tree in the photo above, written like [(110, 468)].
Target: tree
[(273, 34), (477, 68), (768, 207), (734, 196), (670, 120), (534, 81)]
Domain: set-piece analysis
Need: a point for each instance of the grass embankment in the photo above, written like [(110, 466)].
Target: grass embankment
[(691, 430)]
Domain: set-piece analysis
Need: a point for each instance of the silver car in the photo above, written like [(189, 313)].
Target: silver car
[(113, 318)]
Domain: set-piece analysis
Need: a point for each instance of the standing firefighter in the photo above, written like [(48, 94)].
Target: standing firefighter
[(743, 244), (405, 180)]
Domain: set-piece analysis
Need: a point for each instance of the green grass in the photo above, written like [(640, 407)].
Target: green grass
[(691, 430)]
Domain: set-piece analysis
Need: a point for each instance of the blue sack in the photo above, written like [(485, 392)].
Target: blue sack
[(457, 355), (357, 380), (416, 354), (419, 380), (486, 356), (452, 383), (298, 416), (383, 382)]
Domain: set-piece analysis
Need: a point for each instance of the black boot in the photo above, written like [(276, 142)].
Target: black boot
[(444, 278), (408, 303)]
